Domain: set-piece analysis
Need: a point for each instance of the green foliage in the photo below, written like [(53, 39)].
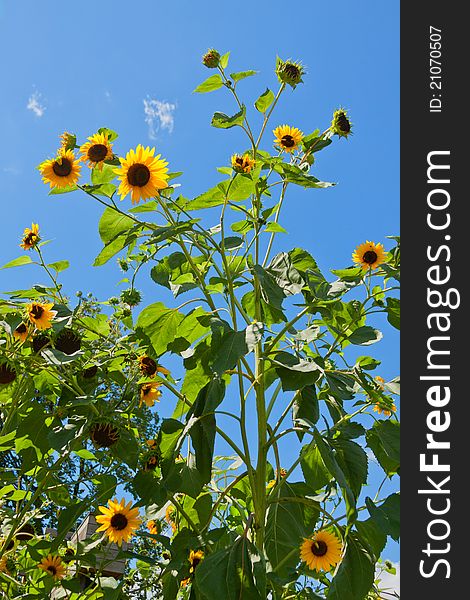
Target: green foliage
[(259, 337)]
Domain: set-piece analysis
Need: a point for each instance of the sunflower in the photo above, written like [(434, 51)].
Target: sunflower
[(170, 516), (369, 255), (40, 341), (53, 565), (30, 237), (96, 150), (341, 125), (21, 332), (287, 138), (90, 372), (149, 367), (61, 171), (41, 315), (7, 373), (142, 174), (194, 559), (119, 521), (68, 341), (151, 463), (153, 527), (385, 409), (322, 551), (104, 435), (289, 72), (4, 565), (242, 164), (149, 393), (68, 140)]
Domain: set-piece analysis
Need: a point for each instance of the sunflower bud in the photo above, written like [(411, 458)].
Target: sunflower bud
[(341, 125), (68, 140), (131, 297), (211, 59), (289, 72), (123, 264)]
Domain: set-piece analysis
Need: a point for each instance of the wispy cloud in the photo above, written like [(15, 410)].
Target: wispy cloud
[(36, 104), (11, 170), (158, 115)]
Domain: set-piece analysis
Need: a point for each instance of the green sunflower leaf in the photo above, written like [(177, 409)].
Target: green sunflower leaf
[(224, 60), (365, 336), (223, 121), (18, 262), (242, 75), (384, 441), (212, 83), (264, 101), (355, 575), (65, 190)]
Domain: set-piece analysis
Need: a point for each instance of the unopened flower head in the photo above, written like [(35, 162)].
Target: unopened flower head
[(211, 59), (341, 125), (131, 297), (289, 71)]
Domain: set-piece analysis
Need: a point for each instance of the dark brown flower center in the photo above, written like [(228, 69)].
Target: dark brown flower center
[(104, 435), (30, 239), (319, 548), (7, 374), (146, 389), (195, 562), (343, 123), (369, 257), (292, 70), (119, 522), (152, 463), (52, 570), (36, 311), (62, 167), (25, 533), (148, 366), (68, 342), (138, 175), (287, 141), (90, 372), (21, 328), (39, 341), (97, 152)]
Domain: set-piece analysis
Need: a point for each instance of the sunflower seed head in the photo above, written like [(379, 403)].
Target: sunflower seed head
[(289, 72)]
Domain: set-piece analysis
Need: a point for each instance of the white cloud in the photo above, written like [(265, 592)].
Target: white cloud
[(35, 104), (390, 583), (158, 115)]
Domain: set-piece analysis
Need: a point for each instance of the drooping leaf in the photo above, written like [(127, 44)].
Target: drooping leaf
[(264, 101), (223, 121)]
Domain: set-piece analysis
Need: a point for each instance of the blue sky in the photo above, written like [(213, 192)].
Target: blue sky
[(80, 66)]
